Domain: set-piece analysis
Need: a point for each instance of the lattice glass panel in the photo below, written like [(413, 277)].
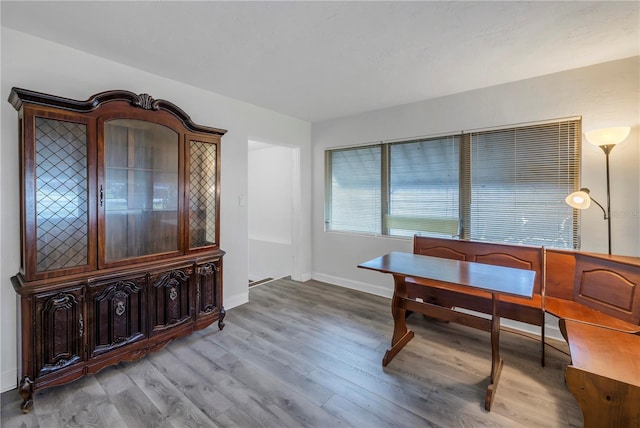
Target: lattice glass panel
[(202, 194), (62, 217)]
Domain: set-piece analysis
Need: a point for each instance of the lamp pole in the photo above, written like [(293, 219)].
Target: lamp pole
[(606, 139), (607, 149)]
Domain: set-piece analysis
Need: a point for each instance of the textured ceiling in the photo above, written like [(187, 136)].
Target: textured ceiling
[(320, 60)]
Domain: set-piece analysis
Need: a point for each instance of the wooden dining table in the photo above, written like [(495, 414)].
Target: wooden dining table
[(496, 280)]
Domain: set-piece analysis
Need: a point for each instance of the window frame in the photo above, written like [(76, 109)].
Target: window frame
[(466, 147)]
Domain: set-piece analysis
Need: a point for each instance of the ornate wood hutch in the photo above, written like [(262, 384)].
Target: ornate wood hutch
[(119, 202)]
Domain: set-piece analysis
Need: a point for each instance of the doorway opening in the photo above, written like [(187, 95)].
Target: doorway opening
[(273, 211)]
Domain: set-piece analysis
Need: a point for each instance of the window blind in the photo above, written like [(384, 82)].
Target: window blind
[(354, 181), (518, 180), (499, 185), (423, 187)]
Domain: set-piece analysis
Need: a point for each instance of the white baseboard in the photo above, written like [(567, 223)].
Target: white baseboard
[(9, 380), (552, 327), (236, 300), (552, 330), (304, 277), (354, 285)]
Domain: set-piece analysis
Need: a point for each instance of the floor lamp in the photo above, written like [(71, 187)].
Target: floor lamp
[(606, 139)]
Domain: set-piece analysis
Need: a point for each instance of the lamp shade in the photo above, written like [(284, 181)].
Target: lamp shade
[(608, 136), (579, 199)]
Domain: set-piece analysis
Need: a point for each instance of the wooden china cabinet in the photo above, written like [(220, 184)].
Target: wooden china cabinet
[(120, 227)]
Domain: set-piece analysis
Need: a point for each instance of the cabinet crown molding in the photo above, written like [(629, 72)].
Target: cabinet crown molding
[(19, 96)]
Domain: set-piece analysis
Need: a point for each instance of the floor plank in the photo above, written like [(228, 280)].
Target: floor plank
[(309, 355)]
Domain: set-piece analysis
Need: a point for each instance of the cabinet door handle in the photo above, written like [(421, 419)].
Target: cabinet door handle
[(101, 195), (121, 308)]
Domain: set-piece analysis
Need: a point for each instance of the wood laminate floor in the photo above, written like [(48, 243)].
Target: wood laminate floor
[(309, 355)]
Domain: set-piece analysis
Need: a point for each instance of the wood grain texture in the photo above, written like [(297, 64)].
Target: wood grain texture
[(308, 355), (514, 282), (604, 374)]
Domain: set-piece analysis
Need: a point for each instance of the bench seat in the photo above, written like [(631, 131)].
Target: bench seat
[(570, 310), (438, 295), (604, 374)]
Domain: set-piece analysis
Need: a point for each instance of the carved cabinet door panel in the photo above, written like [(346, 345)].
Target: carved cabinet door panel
[(59, 330), (208, 288), (118, 312), (209, 294), (171, 297)]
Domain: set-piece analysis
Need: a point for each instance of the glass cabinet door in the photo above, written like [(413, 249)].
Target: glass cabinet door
[(60, 195), (203, 188), (140, 191)]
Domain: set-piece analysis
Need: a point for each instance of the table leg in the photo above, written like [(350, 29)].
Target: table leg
[(401, 335), (496, 361)]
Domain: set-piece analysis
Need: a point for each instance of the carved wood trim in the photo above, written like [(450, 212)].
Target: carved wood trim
[(504, 259), (19, 97), (607, 288), (61, 334), (444, 252)]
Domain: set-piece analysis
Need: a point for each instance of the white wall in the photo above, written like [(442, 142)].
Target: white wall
[(37, 64), (604, 95), (270, 202)]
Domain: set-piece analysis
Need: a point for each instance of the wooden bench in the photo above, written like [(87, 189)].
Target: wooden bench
[(604, 375), (593, 288), (529, 311), (595, 296)]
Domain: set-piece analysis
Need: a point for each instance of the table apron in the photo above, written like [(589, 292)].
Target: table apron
[(446, 314)]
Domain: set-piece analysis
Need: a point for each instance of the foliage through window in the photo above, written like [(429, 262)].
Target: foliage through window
[(502, 185)]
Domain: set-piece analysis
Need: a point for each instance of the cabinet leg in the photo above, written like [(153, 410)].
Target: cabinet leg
[(25, 389), (221, 319)]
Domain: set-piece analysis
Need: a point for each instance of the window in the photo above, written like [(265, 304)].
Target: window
[(355, 189), (504, 185), (423, 187), (519, 179)]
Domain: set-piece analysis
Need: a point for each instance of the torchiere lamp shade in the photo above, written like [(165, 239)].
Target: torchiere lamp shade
[(579, 199), (608, 136)]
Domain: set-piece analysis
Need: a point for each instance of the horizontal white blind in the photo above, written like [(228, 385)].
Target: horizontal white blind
[(355, 190), (498, 185), (423, 187), (519, 178)]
